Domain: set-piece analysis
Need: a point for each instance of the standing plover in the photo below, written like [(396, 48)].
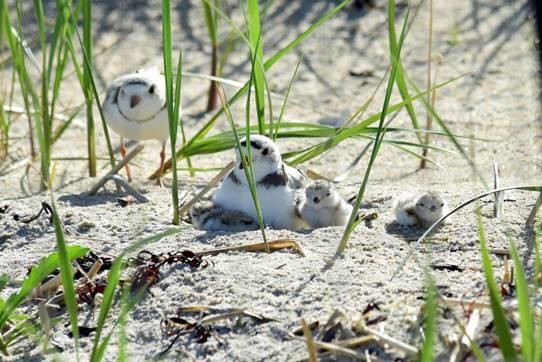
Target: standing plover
[(210, 217), (322, 206), (135, 108), (276, 184), (423, 209)]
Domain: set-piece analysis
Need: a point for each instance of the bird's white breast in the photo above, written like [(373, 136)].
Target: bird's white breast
[(277, 203)]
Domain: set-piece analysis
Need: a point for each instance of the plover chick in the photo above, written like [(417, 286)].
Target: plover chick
[(135, 108), (276, 185), (321, 205), (423, 209), (210, 217)]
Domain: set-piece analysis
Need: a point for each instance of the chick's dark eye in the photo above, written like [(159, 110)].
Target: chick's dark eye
[(442, 204), (151, 89), (265, 151), (315, 199), (422, 205), (244, 143), (328, 194)]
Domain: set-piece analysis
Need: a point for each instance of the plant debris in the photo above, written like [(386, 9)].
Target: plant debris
[(448, 267), (88, 291), (125, 201), (149, 264), (44, 207)]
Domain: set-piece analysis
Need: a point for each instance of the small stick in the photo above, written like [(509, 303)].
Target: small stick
[(333, 348), (116, 169), (274, 245), (382, 338), (183, 209), (309, 340), (530, 219), (356, 342), (470, 330), (499, 196), (125, 185)]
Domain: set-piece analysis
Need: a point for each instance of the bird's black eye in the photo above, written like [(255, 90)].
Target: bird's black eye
[(265, 151), (422, 205), (328, 194), (315, 199), (151, 89), (442, 204), (244, 143)]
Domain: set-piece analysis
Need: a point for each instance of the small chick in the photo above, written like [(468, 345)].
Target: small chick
[(206, 215), (322, 206), (423, 209)]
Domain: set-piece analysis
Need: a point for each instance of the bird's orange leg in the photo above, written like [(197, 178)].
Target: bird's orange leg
[(123, 154), (162, 161)]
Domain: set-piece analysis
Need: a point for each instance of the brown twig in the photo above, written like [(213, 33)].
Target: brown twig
[(185, 207), (274, 245), (116, 169)]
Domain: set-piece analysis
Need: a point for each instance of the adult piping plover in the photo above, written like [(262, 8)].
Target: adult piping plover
[(276, 184), (210, 217), (321, 206), (135, 108), (423, 209)]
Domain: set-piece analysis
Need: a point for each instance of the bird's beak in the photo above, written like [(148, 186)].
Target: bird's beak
[(134, 101), (433, 208)]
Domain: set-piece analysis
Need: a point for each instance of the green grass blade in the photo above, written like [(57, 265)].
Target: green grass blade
[(400, 75), (173, 101), (430, 330), (113, 278), (247, 166), (68, 284), (526, 322), (501, 324), (38, 273), (275, 58), (4, 279), (454, 140), (376, 146), (256, 51), (283, 108), (211, 21), (88, 67), (360, 127), (87, 45)]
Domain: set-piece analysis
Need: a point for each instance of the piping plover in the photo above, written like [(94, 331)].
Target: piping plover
[(210, 217), (321, 205), (423, 209), (135, 108), (276, 184)]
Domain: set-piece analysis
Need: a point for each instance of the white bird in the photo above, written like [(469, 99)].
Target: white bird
[(321, 206), (135, 108), (210, 217), (276, 185), (423, 209)]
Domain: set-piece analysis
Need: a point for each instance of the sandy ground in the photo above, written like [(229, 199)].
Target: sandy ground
[(491, 43)]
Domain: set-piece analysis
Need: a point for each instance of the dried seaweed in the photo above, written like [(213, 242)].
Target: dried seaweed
[(148, 272)]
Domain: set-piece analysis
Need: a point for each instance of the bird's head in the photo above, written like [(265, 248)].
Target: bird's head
[(142, 96), (264, 153), (320, 193), (430, 206)]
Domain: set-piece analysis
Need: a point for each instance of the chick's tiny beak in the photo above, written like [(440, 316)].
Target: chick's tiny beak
[(134, 101), (433, 208)]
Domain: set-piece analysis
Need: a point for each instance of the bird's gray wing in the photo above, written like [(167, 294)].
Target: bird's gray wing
[(296, 178)]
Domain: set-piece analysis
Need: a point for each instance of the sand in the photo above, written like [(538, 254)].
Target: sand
[(490, 43)]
